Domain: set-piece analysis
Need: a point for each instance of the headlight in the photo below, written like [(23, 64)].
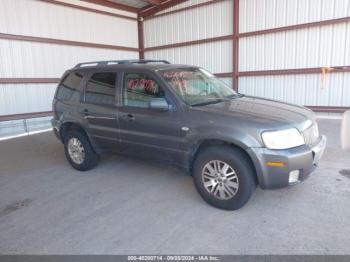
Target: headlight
[(283, 139)]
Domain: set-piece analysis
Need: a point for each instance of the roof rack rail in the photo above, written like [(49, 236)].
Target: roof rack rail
[(120, 62)]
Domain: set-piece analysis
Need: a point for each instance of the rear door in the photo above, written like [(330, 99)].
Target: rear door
[(146, 132), (100, 111)]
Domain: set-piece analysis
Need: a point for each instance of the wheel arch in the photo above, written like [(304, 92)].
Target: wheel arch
[(65, 127), (205, 143)]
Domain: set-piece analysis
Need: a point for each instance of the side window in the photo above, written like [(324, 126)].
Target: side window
[(68, 89), (139, 89), (100, 89)]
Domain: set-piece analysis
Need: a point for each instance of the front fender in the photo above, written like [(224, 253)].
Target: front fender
[(230, 135), (197, 137)]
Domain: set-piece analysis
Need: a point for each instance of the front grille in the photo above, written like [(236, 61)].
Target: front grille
[(311, 134)]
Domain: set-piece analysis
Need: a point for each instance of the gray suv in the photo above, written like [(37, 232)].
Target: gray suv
[(184, 116)]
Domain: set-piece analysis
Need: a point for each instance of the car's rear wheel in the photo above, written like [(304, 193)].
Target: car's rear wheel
[(224, 177), (79, 152)]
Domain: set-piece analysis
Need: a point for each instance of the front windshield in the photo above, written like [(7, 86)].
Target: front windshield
[(197, 86)]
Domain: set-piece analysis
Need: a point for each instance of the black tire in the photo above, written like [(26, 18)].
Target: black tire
[(90, 159), (240, 164)]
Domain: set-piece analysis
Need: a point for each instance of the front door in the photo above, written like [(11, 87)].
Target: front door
[(149, 133)]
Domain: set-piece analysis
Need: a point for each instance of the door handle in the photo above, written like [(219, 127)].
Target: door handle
[(130, 117), (85, 112)]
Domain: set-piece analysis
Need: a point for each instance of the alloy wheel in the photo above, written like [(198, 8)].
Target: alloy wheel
[(76, 150), (220, 179)]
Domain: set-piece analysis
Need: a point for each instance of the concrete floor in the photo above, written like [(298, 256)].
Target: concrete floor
[(126, 206)]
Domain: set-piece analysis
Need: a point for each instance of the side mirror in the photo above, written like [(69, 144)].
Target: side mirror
[(159, 103)]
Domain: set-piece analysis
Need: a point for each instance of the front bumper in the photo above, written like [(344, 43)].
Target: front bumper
[(56, 127), (303, 158)]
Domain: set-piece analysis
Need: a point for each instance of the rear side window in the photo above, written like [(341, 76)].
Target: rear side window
[(100, 89), (139, 89), (68, 89)]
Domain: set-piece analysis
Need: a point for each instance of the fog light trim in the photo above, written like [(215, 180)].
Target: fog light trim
[(294, 177)]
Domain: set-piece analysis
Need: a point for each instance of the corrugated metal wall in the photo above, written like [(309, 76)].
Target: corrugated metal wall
[(301, 89), (207, 21), (203, 22), (30, 59), (257, 15), (25, 59), (304, 48), (216, 56), (37, 18), (321, 46)]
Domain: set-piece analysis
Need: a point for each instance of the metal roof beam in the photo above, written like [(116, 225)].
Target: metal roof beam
[(153, 2), (152, 9), (113, 5)]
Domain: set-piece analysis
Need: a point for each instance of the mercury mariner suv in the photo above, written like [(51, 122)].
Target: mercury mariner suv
[(183, 115)]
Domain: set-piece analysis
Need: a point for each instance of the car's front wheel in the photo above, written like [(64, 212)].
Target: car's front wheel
[(224, 177), (79, 152)]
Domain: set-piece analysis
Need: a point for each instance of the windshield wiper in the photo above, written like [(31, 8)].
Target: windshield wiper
[(218, 100), (208, 102), (238, 95)]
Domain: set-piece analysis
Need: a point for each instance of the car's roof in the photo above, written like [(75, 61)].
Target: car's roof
[(151, 67)]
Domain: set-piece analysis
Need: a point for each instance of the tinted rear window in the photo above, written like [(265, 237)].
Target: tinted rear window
[(68, 89), (100, 89)]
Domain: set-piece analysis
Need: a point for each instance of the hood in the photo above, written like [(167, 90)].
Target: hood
[(268, 113)]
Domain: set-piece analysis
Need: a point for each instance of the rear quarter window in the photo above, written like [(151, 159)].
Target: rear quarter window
[(69, 87)]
